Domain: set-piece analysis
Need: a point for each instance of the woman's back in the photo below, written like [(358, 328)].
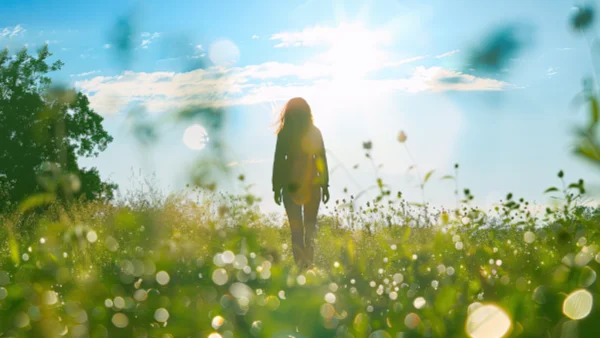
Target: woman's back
[(300, 164)]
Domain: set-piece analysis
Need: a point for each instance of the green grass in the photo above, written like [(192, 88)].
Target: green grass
[(148, 266), (216, 267)]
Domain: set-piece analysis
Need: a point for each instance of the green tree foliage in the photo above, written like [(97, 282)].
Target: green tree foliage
[(43, 130)]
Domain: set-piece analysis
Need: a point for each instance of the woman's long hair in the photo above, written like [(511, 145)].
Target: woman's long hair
[(295, 119)]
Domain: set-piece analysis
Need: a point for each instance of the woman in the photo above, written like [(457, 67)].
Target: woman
[(300, 174)]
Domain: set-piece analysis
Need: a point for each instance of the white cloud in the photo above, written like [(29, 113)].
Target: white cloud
[(409, 60), (198, 53), (18, 30), (254, 37), (52, 42), (86, 73), (551, 72), (107, 46), (168, 60), (275, 70), (148, 38), (450, 53), (321, 35), (438, 79), (340, 71), (352, 50), (268, 82), (12, 32)]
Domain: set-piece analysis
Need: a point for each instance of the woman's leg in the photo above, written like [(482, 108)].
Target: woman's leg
[(294, 213), (311, 209)]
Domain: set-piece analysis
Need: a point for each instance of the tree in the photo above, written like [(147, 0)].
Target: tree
[(43, 129)]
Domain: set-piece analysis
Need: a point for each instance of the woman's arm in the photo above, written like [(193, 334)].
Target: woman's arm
[(321, 160), (278, 165)]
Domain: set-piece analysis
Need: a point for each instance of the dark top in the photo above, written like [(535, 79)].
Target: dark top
[(301, 164)]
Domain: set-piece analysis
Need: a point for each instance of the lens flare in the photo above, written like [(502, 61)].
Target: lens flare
[(578, 304), (488, 321), (195, 137)]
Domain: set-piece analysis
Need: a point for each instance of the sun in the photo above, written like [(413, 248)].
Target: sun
[(355, 51)]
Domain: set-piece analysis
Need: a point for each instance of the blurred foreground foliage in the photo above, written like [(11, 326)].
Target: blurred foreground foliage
[(155, 266)]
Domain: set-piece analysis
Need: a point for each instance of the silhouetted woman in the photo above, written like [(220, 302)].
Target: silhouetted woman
[(300, 174)]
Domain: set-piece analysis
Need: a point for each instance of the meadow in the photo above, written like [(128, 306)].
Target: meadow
[(77, 262), (167, 266)]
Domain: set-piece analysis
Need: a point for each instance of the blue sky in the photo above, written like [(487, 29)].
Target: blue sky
[(368, 68)]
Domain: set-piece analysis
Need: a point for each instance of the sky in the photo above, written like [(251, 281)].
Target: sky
[(369, 69)]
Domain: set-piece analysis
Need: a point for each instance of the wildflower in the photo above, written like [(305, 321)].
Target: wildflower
[(401, 137)]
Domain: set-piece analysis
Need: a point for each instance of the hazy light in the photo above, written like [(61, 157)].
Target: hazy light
[(140, 295), (21, 319), (330, 298), (412, 320), (163, 278), (273, 303), (587, 277), (529, 237), (217, 322), (488, 321), (301, 280), (161, 315), (224, 52), (539, 295), (119, 302), (380, 334), (578, 304), (220, 276), (327, 311), (50, 297), (256, 328), (120, 320), (92, 236), (419, 302), (195, 137), (349, 62), (228, 257), (241, 291), (473, 307)]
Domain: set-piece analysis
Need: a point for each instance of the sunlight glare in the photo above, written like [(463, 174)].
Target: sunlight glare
[(578, 304), (488, 321), (195, 137), (355, 51)]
